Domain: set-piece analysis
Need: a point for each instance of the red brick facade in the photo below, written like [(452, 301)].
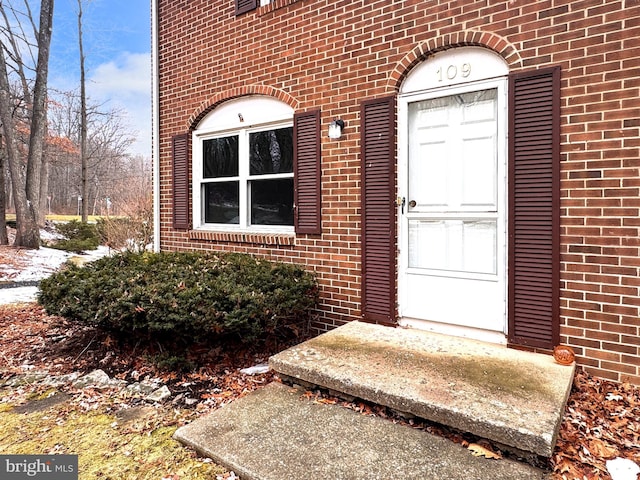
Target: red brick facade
[(333, 55)]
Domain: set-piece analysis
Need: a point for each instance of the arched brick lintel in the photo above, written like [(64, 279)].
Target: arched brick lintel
[(466, 38), (212, 102)]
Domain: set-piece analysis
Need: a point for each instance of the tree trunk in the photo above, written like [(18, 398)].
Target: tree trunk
[(27, 232), (38, 135), (4, 237), (26, 187), (83, 122), (44, 190)]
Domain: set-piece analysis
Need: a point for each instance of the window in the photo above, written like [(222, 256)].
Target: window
[(243, 6), (247, 177), (243, 167)]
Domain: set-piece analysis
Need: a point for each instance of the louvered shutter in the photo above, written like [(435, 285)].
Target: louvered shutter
[(243, 6), (378, 210), (307, 191), (534, 181), (180, 152)]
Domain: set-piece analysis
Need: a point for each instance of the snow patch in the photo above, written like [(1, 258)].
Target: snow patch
[(623, 469), (43, 262), (39, 264)]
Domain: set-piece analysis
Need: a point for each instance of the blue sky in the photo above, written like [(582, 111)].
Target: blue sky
[(117, 46)]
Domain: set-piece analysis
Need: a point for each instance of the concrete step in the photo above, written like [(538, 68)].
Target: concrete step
[(511, 397), (276, 433)]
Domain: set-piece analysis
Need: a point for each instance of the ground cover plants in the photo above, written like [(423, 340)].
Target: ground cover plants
[(76, 237)]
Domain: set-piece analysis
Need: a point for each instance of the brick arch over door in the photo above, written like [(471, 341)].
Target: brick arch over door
[(467, 38), (212, 102), (533, 218)]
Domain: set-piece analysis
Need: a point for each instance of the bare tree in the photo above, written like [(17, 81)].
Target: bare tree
[(27, 180), (83, 122), (4, 237), (108, 158)]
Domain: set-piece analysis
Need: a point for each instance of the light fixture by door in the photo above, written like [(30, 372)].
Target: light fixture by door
[(335, 128)]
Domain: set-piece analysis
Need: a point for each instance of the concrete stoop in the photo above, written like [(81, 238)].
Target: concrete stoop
[(276, 433), (510, 397)]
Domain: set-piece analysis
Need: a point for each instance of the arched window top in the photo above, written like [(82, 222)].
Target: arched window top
[(453, 67), (245, 112)]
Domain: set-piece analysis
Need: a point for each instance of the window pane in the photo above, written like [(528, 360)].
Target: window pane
[(453, 245), (220, 157), (221, 202), (272, 202), (453, 152), (271, 151)]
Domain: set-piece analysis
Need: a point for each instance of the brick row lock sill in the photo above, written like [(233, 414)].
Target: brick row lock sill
[(274, 5), (266, 239)]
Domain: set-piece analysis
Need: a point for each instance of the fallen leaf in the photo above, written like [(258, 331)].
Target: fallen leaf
[(480, 451), (602, 449)]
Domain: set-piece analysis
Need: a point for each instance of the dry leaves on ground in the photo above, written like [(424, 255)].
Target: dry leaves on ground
[(31, 340), (601, 422), (602, 418)]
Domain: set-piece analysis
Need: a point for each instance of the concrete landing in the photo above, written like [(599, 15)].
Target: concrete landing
[(275, 433), (508, 396)]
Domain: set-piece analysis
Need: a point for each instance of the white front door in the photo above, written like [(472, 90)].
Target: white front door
[(452, 225)]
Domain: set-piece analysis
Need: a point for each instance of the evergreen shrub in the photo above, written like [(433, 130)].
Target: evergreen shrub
[(190, 297), (79, 237)]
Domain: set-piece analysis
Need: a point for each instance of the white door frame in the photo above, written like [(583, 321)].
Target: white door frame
[(435, 78)]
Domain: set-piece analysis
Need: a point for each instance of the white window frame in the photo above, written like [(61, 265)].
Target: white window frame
[(240, 117)]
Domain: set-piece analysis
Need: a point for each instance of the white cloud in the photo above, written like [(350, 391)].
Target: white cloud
[(125, 83), (129, 74)]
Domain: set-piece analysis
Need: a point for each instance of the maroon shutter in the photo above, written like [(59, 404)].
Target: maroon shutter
[(307, 196), (181, 158), (534, 182), (243, 6), (378, 210)]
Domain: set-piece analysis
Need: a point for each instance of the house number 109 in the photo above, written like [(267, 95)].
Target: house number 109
[(452, 71)]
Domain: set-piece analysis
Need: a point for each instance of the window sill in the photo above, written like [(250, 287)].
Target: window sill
[(275, 239), (273, 6)]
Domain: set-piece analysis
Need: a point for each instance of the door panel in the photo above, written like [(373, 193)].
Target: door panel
[(478, 165), (454, 245), (453, 230), (426, 185)]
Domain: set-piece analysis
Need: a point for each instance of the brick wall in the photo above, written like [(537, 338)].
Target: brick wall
[(334, 54)]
